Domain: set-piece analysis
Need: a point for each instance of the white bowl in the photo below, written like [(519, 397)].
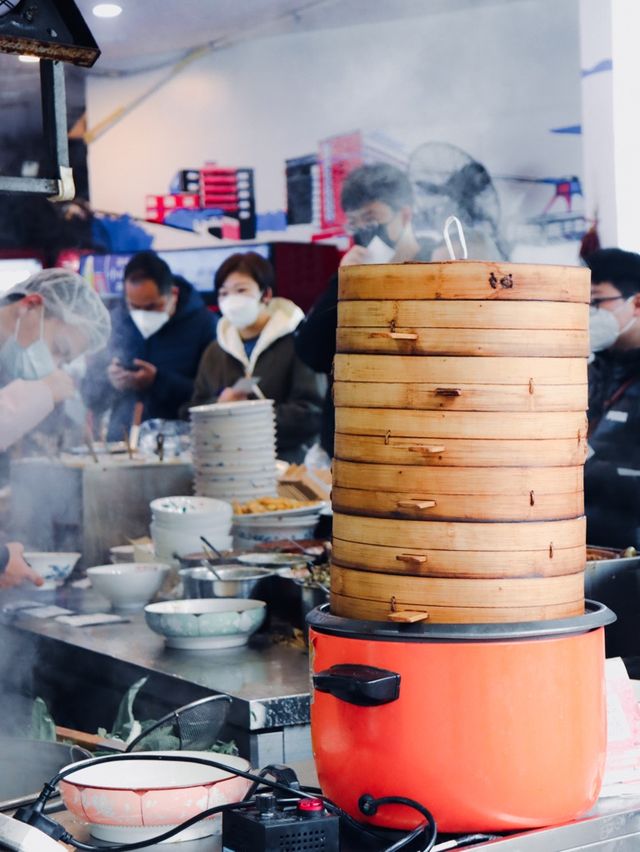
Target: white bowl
[(168, 543), (247, 535), (175, 509), (122, 553), (128, 585), (243, 408), (206, 623), (135, 800), (54, 568)]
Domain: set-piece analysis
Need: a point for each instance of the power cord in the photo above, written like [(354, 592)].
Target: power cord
[(33, 814)]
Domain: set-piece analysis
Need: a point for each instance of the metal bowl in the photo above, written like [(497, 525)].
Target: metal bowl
[(235, 582)]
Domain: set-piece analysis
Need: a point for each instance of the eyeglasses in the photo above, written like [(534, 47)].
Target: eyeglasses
[(595, 303)]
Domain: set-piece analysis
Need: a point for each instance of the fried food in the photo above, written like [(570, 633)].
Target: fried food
[(270, 504)]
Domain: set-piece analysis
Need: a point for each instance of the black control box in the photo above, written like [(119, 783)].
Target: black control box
[(268, 827)]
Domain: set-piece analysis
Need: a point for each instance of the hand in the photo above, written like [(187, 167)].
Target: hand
[(17, 570), (136, 380), (355, 256), (231, 395), (61, 385)]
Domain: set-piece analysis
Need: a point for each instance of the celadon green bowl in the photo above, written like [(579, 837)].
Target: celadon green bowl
[(206, 624)]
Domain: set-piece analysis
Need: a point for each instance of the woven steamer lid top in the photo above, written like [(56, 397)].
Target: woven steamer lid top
[(466, 279)]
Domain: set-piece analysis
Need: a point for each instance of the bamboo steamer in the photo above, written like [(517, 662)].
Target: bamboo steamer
[(464, 397), (453, 452), (465, 342), (398, 559), (455, 535), (454, 371), (369, 610), (489, 494), (474, 280), (463, 314), (441, 425), (398, 591)]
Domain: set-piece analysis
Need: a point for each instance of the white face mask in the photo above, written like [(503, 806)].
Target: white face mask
[(603, 329), (149, 322), (240, 310), (27, 362)]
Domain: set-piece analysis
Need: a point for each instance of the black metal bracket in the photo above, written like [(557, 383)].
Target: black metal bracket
[(60, 186)]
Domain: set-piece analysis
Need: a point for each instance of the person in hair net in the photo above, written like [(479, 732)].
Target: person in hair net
[(46, 322)]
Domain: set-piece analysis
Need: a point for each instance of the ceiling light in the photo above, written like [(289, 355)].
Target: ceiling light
[(25, 57), (107, 10)]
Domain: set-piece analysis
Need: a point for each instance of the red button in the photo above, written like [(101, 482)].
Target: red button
[(310, 805)]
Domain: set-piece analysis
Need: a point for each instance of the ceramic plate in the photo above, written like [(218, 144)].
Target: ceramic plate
[(311, 509)]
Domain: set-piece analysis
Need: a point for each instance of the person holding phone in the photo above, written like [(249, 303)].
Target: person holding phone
[(160, 331)]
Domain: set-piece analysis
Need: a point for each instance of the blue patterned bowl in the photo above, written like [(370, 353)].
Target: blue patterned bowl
[(206, 624)]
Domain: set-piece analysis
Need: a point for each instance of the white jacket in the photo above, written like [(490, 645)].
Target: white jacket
[(22, 406), (285, 318)]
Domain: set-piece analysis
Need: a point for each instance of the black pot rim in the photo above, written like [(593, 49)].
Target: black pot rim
[(596, 615)]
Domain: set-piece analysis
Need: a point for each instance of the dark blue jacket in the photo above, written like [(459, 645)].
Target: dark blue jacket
[(175, 351)]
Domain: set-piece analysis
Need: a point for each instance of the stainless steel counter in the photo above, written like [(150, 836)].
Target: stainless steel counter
[(269, 683)]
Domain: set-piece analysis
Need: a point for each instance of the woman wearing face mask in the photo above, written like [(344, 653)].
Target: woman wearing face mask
[(45, 322), (255, 339)]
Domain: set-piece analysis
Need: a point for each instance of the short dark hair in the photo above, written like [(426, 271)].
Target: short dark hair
[(621, 268), (147, 264), (376, 182), (248, 263)]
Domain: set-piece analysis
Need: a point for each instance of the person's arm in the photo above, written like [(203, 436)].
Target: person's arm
[(22, 406), (315, 337), (299, 417)]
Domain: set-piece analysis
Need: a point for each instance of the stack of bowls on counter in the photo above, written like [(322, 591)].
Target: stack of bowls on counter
[(234, 449), (460, 392), (178, 523)]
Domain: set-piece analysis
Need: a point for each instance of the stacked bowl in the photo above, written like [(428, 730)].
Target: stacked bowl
[(234, 449), (179, 522)]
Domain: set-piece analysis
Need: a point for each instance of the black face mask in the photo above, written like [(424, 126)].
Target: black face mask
[(363, 236)]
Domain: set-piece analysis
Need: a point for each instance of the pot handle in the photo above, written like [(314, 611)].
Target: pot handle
[(364, 686)]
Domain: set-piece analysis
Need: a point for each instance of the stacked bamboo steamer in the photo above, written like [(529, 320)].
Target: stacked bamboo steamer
[(460, 392)]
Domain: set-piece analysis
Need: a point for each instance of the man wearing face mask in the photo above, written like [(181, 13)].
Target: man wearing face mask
[(255, 342), (612, 471), (378, 202), (159, 334), (46, 323)]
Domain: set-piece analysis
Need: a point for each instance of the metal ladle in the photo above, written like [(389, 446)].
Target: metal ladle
[(210, 547)]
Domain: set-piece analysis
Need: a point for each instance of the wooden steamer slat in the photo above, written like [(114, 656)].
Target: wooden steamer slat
[(463, 314), (454, 370), (456, 592), (453, 452), (369, 610), (400, 559), (460, 535), (462, 397), (440, 425), (470, 279), (465, 342)]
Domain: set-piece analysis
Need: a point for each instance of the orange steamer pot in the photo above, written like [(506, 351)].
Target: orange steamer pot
[(492, 727)]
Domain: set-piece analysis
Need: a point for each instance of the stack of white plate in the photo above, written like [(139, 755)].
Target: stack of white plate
[(234, 449), (178, 522), (296, 524)]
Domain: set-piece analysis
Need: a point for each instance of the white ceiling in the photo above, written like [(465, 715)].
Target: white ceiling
[(154, 30)]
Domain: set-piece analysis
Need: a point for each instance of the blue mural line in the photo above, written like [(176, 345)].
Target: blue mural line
[(575, 129), (598, 68)]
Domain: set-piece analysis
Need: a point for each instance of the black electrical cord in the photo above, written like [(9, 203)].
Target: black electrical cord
[(369, 806), (33, 814)]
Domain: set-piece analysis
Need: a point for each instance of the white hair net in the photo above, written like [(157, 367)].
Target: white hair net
[(67, 295)]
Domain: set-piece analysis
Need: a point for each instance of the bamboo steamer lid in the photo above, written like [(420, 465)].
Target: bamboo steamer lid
[(452, 452), (460, 535), (440, 425), (445, 371), (398, 559), (461, 398), (463, 314), (465, 342), (467, 279), (368, 610)]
